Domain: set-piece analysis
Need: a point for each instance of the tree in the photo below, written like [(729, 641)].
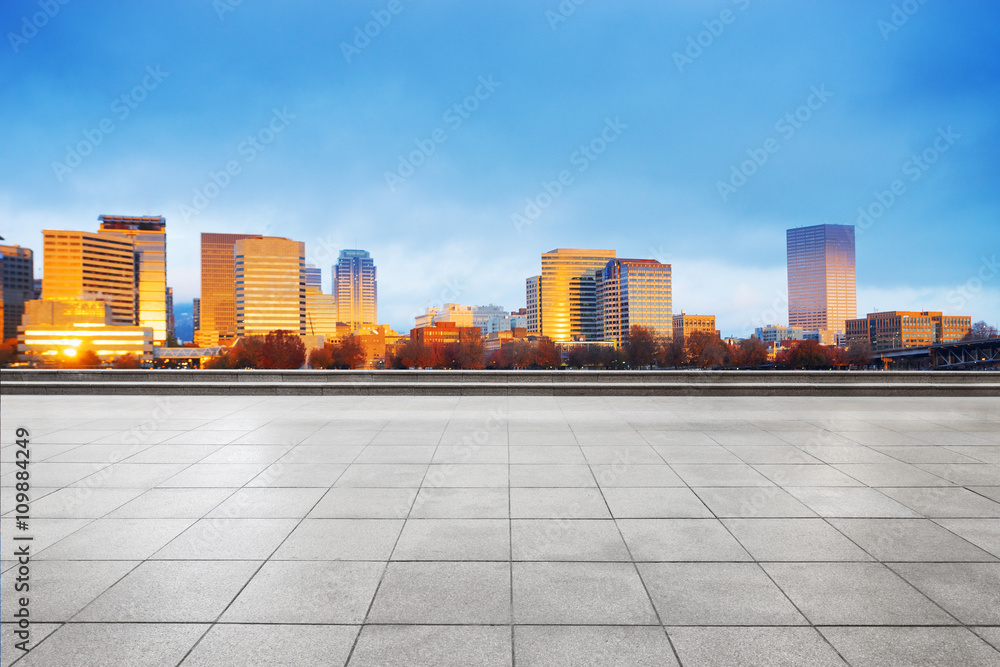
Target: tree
[(8, 352), (859, 352), (640, 349), (807, 355), (547, 354), (980, 331), (469, 353), (282, 349), (127, 362), (673, 353), (837, 356), (707, 350), (349, 353), (321, 357), (752, 353)]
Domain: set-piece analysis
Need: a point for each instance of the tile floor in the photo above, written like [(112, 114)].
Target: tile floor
[(246, 530)]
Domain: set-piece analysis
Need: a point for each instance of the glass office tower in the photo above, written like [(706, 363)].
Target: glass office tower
[(634, 292), (568, 303), (149, 240), (270, 286), (217, 307), (356, 289), (822, 283)]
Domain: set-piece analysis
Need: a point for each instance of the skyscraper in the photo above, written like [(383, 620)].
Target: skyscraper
[(217, 311), (270, 286), (91, 266), (17, 286), (568, 303), (533, 293), (634, 292), (149, 241), (170, 312), (822, 283), (314, 277), (356, 288)]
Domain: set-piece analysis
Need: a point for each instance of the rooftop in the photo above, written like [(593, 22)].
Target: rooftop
[(236, 530)]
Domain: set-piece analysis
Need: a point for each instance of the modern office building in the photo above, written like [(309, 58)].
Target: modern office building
[(196, 313), (55, 331), (899, 329), (444, 332), (217, 307), (533, 294), (355, 285), (89, 265), (463, 316), (17, 265), (775, 333), (170, 313), (270, 286), (321, 314), (634, 292), (314, 277), (568, 301), (149, 242), (684, 325), (822, 281)]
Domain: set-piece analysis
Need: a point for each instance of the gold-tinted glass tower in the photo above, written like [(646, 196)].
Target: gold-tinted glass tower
[(149, 239), (822, 282), (91, 266), (270, 286), (217, 307), (568, 304)]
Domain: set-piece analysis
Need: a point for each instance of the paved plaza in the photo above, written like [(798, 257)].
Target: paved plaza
[(407, 530)]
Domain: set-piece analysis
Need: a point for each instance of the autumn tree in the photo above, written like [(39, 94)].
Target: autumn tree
[(980, 331), (806, 355), (547, 354), (640, 349), (752, 353), (8, 352), (859, 352), (127, 362)]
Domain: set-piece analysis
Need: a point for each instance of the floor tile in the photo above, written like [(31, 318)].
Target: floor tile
[(439, 645), (466, 593), (102, 644), (911, 647), (567, 540), (273, 645), (580, 593), (454, 539), (341, 539), (592, 645), (736, 647), (680, 540), (794, 540)]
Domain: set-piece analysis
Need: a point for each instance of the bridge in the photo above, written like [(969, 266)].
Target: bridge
[(946, 356)]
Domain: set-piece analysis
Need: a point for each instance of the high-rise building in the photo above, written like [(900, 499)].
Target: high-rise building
[(149, 241), (822, 282), (533, 293), (314, 277), (170, 312), (321, 314), (634, 292), (685, 325), (270, 286), (87, 265), (568, 303), (17, 286), (196, 313), (356, 288), (217, 313), (899, 329), (63, 329)]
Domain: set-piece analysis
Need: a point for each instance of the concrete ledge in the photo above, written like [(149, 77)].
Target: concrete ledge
[(500, 388)]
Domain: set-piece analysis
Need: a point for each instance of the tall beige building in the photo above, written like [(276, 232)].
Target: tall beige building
[(270, 286), (568, 304), (149, 240), (86, 265), (533, 289), (635, 292), (217, 306)]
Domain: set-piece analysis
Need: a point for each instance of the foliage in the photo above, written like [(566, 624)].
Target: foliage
[(127, 362), (640, 349), (8, 351)]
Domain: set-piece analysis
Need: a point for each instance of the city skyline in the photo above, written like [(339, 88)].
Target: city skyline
[(670, 142)]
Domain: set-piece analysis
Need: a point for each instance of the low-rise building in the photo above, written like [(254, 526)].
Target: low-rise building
[(685, 325), (897, 329), (55, 331)]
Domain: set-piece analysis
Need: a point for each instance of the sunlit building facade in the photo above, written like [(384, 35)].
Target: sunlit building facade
[(217, 306), (568, 302), (89, 265), (321, 314), (355, 286), (270, 286), (17, 266), (897, 329), (822, 280), (56, 331), (685, 325), (634, 292), (314, 277), (149, 242)]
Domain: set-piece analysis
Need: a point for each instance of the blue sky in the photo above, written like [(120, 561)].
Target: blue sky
[(309, 128)]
